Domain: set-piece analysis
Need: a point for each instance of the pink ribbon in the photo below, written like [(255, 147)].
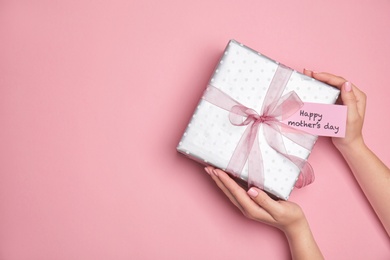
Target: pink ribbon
[(275, 108)]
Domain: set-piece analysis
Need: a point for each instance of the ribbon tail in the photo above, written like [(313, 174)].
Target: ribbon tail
[(255, 166), (242, 150), (274, 139), (306, 176), (299, 137)]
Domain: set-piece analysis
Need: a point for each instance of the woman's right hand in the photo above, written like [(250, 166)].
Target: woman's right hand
[(355, 100)]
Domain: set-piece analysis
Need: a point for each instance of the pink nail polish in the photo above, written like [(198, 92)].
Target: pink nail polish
[(252, 193), (215, 172), (347, 86), (207, 170)]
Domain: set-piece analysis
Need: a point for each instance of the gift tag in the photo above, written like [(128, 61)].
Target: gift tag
[(319, 119)]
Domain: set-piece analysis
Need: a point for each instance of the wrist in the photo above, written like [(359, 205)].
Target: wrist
[(302, 243), (355, 145), (297, 229)]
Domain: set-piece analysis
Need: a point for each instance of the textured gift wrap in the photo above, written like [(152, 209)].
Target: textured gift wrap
[(245, 76)]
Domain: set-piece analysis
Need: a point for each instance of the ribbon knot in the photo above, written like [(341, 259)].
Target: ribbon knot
[(265, 119), (275, 108)]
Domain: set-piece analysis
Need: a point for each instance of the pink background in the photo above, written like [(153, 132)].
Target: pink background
[(94, 97)]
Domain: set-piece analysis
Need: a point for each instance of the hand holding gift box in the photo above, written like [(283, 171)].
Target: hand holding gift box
[(238, 127)]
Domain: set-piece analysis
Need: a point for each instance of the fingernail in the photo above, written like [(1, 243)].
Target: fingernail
[(207, 170), (252, 193), (215, 172), (347, 86)]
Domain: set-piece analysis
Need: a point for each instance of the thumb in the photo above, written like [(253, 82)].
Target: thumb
[(349, 99), (263, 200)]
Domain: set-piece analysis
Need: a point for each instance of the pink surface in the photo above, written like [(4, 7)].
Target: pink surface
[(94, 96)]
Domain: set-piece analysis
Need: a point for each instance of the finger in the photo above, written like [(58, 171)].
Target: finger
[(338, 82), (209, 170), (264, 201), (308, 72), (361, 104), (250, 208), (221, 186), (330, 79), (360, 100), (349, 99)]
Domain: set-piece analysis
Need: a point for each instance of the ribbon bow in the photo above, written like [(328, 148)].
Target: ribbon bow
[(275, 108)]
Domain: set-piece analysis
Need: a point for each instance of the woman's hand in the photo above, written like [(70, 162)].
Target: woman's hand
[(257, 205), (370, 172), (285, 215), (355, 100)]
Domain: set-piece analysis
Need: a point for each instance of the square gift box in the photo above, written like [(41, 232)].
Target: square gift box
[(245, 76)]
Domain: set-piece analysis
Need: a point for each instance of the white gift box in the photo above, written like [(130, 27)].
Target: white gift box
[(245, 75)]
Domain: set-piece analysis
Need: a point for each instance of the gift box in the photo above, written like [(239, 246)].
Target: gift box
[(236, 126)]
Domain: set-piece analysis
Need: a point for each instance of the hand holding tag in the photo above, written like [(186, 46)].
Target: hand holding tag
[(354, 99)]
